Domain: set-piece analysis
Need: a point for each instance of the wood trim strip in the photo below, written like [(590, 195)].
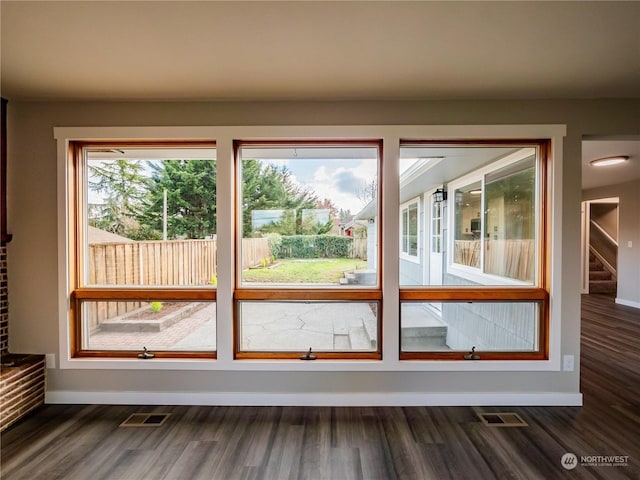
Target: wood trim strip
[(74, 326), (516, 142), (128, 143), (319, 355), (146, 294), (474, 293), (134, 354), (345, 294), (310, 142), (443, 356)]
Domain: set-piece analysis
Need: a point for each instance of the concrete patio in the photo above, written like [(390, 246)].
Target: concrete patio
[(268, 326)]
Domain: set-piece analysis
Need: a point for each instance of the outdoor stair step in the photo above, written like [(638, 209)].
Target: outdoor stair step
[(422, 329), (341, 342), (427, 331), (370, 325), (360, 277), (359, 338), (349, 279), (413, 338)]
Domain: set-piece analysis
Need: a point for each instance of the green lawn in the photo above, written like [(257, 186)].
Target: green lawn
[(291, 270)]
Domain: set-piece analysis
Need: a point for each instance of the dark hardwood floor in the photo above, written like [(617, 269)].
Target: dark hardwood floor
[(84, 442)]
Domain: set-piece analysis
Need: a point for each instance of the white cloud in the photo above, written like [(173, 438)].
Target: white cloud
[(341, 185)]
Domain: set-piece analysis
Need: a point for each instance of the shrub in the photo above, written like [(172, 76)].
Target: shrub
[(314, 246), (275, 244), (155, 307)]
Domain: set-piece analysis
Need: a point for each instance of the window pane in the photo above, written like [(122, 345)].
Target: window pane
[(309, 215), (150, 216), (466, 240), (459, 326), (159, 326), (510, 221), (485, 231), (413, 230), (436, 227), (404, 243), (293, 326)]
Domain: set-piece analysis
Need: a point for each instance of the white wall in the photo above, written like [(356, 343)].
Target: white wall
[(628, 231), (33, 253)]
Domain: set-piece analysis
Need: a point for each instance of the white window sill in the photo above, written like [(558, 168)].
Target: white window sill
[(312, 366), (410, 258)]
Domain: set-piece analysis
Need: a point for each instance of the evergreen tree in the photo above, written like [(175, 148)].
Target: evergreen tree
[(268, 187), (191, 198), (344, 215), (123, 187)]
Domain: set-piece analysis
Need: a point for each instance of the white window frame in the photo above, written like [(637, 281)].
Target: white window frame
[(477, 274), (405, 207), (391, 136)]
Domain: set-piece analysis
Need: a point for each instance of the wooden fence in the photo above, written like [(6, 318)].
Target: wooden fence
[(254, 251), (507, 258), (158, 263), (359, 248), (174, 262), (185, 263)]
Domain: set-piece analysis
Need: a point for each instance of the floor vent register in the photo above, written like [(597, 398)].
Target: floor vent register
[(506, 419), (145, 420)]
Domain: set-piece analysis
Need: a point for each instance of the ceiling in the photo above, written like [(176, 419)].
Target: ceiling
[(319, 50), (594, 148)]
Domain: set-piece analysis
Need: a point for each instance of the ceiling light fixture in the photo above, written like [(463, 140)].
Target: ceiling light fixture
[(605, 162)]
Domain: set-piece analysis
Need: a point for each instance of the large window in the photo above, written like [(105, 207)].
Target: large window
[(483, 284), (270, 243), (145, 243), (305, 277)]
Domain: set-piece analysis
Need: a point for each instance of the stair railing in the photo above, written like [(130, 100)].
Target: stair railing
[(605, 233)]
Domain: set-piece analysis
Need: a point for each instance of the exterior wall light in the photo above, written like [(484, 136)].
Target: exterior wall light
[(440, 195)]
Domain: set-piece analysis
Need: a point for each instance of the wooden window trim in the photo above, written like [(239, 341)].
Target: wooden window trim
[(79, 292), (287, 293), (538, 293)]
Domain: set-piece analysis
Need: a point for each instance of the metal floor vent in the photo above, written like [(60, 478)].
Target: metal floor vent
[(502, 419), (145, 420)]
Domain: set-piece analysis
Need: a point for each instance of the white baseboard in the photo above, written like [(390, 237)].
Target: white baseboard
[(628, 303), (316, 399)]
